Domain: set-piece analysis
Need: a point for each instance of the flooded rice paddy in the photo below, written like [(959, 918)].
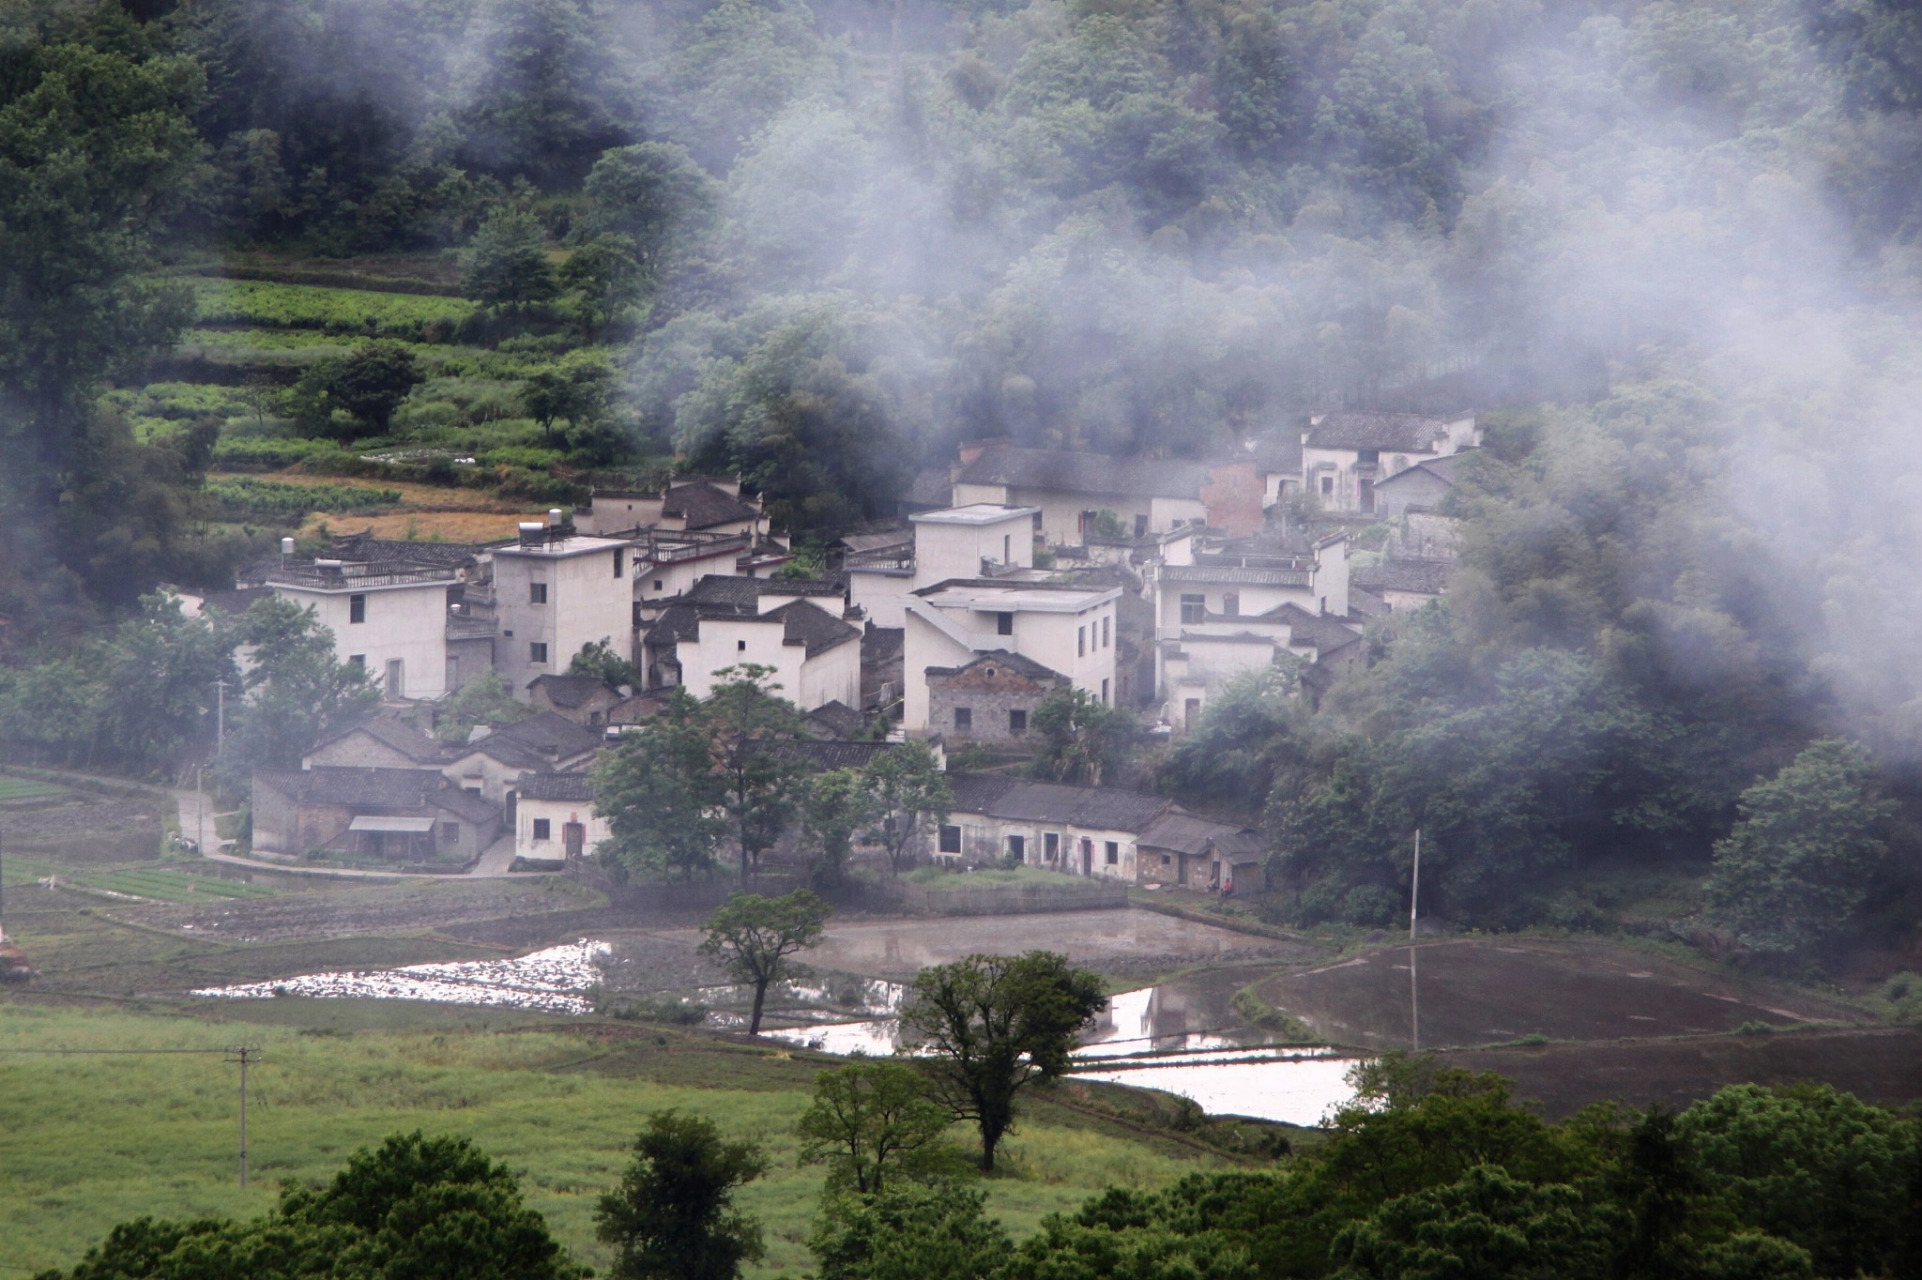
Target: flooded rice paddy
[(554, 980)]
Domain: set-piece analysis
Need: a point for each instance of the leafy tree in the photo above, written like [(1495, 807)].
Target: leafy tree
[(835, 805), (372, 381), (753, 937), (414, 1206), (1082, 737), (873, 1124), (661, 795), (744, 718), (598, 661), (910, 797), (673, 1217), (157, 677), (992, 1025), (579, 389), (506, 262), (604, 281), (484, 701), (1487, 1224), (652, 194), (294, 691), (1800, 862), (909, 1232)]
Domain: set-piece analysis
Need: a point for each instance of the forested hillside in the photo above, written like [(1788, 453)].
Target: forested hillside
[(1665, 250)]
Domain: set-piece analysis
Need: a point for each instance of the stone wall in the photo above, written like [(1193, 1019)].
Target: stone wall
[(989, 690)]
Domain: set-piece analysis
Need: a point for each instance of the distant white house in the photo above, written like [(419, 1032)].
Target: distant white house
[(390, 619), (1345, 453), (1066, 628), (554, 817), (975, 541), (794, 627), (556, 592)]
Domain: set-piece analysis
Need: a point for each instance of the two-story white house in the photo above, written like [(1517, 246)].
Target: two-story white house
[(1066, 628), (556, 592), (390, 619), (1345, 453), (795, 627), (975, 541), (1146, 495)]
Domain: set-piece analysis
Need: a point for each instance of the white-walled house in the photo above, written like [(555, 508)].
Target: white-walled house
[(1066, 628), (389, 619), (1346, 453), (975, 541), (1147, 495), (554, 593), (794, 627), (1092, 832), (554, 818)]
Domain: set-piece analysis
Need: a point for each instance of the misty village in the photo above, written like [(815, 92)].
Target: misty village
[(960, 640)]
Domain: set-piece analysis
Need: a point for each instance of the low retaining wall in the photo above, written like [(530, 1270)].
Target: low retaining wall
[(1013, 899)]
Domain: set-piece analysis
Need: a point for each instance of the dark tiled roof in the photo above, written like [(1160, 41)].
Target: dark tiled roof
[(236, 601), (876, 540), (538, 741), (1235, 575), (881, 645), (1101, 808), (395, 734), (979, 792), (1323, 632), (1427, 576), (677, 622), (1358, 429), (836, 719), (1002, 658), (578, 787), (744, 594), (813, 627), (640, 707), (1185, 832), (818, 755), (702, 506), (567, 691), (462, 804), (932, 487), (354, 788), (1092, 473), (1364, 604)]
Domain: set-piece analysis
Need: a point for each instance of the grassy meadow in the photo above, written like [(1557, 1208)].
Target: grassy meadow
[(89, 1140)]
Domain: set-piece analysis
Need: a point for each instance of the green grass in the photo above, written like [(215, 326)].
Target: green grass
[(269, 453), (27, 788), (359, 312), (89, 1141), (281, 348), (171, 886), (244, 495)]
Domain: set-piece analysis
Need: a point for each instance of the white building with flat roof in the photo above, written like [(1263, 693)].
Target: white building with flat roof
[(555, 593), (389, 619), (1068, 629), (975, 541)]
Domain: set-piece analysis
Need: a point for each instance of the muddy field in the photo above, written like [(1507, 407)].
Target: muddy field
[(1482, 991)]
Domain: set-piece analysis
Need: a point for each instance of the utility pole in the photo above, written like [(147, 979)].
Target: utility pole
[(245, 1055), (200, 811), (220, 712), (3, 901), (1414, 889), (1414, 1000)]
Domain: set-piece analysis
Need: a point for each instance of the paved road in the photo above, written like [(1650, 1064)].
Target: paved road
[(196, 808)]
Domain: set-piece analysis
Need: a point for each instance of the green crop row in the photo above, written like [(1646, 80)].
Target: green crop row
[(171, 886), (244, 494), (267, 304), (268, 453), (25, 788)]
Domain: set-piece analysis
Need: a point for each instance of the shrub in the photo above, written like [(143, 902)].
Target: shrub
[(246, 496)]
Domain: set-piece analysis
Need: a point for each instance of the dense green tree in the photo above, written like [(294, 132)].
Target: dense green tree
[(506, 263), (874, 1126), (835, 806), (654, 194), (579, 390), (909, 1232), (1487, 1224), (752, 937), (911, 797), (1801, 861), (992, 1025), (1082, 737), (294, 689), (485, 701), (661, 795), (746, 719), (673, 1217), (598, 661), (603, 282)]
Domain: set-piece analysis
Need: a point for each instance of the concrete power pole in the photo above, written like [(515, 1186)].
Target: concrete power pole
[(245, 1055)]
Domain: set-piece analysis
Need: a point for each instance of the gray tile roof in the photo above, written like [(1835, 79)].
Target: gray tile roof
[(1002, 658), (807, 624), (702, 506), (567, 691), (835, 719), (463, 805), (395, 734), (1234, 575), (1099, 808), (539, 741), (932, 487), (1092, 473), (1185, 832), (1427, 576), (577, 787), (1362, 429), (354, 788), (744, 594), (365, 548), (818, 755), (1323, 632)]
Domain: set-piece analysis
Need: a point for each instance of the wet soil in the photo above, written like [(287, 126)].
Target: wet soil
[(1478, 992)]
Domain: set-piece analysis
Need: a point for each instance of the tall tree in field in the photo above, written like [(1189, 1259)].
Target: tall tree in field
[(753, 937), (992, 1025), (661, 795), (834, 806), (673, 1217), (506, 263), (910, 797), (1800, 861), (873, 1122), (745, 718), (295, 690)]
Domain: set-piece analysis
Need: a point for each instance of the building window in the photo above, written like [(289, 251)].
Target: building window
[(950, 839), (1112, 853), (396, 678), (657, 584), (1368, 457), (740, 646), (1191, 713), (1017, 848), (1017, 723), (543, 828), (357, 660), (1194, 608), (1327, 486), (1366, 493), (1231, 604), (537, 652), (1107, 633), (964, 719), (1141, 526), (1080, 642), (450, 833), (620, 560), (537, 593), (356, 608), (1104, 692), (1004, 624), (1007, 548), (1051, 845)]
